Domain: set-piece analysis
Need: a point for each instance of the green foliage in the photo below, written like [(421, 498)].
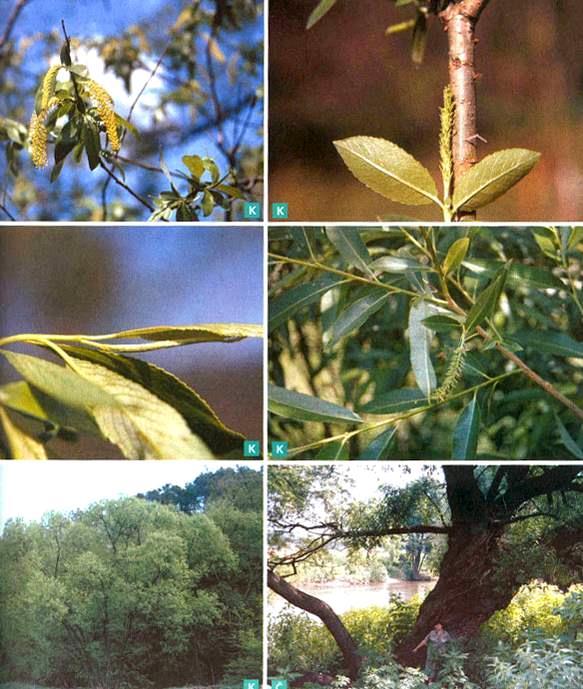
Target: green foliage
[(465, 343), (143, 409), (299, 643), (125, 593)]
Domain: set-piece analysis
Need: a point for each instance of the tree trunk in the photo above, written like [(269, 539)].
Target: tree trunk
[(469, 589), (315, 606)]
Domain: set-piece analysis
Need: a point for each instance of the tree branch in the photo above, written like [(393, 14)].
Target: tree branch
[(16, 10), (121, 183)]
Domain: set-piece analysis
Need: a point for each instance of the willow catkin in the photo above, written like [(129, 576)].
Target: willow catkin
[(39, 135), (453, 374), (106, 113), (47, 90)]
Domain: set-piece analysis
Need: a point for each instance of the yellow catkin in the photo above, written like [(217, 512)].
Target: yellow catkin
[(106, 113), (48, 86), (38, 140), (453, 375)]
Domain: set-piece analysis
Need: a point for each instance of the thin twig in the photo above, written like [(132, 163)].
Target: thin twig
[(121, 183), (16, 10), (7, 212), (148, 80)]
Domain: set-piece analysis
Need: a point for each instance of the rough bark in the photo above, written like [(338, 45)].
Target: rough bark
[(315, 606)]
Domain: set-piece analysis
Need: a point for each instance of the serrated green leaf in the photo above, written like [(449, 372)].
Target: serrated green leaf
[(492, 177), (197, 413), (420, 346), (296, 405), (388, 170), (466, 432), (518, 273), (396, 264), (455, 255), (487, 301), (322, 8), (337, 449), (567, 440), (21, 445), (551, 342), (140, 423), (283, 307), (380, 446), (351, 247), (356, 314), (396, 401)]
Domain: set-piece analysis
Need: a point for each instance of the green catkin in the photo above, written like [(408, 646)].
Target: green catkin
[(453, 375), (106, 113), (447, 119)]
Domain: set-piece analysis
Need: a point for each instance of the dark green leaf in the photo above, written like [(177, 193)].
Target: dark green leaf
[(296, 405), (283, 307), (441, 323), (466, 432), (551, 342), (380, 446), (337, 449), (487, 301), (351, 247), (518, 274), (396, 401), (567, 440), (356, 314)]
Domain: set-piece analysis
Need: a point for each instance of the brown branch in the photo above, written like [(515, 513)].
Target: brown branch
[(122, 184), (16, 10)]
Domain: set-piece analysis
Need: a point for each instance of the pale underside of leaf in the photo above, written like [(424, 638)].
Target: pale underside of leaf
[(420, 346), (356, 315), (492, 177), (141, 424), (388, 170), (466, 432)]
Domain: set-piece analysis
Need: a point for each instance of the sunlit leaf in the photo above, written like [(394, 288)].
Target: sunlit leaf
[(455, 255), (492, 177), (396, 264), (518, 273), (389, 170), (21, 445), (487, 300), (322, 8)]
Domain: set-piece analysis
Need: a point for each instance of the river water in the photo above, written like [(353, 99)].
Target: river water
[(343, 597)]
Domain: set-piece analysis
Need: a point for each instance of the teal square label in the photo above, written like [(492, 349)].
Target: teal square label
[(279, 450), (277, 683), (250, 684), (279, 211), (252, 210), (251, 448)]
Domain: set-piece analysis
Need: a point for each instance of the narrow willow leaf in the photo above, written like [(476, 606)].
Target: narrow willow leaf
[(322, 8), (396, 264), (380, 446), (356, 314), (441, 323), (387, 169), (401, 26), (466, 432), (550, 342), (518, 274), (396, 401), (567, 440), (61, 383), (419, 40), (492, 177), (420, 346), (283, 307), (337, 449), (575, 237), (487, 301), (296, 405), (21, 445), (455, 255), (140, 423), (190, 334), (199, 416), (351, 247)]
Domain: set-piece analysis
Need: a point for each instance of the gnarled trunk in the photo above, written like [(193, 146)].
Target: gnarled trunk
[(330, 619)]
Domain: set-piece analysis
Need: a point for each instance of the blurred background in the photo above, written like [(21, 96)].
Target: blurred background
[(98, 280), (181, 111), (344, 77)]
